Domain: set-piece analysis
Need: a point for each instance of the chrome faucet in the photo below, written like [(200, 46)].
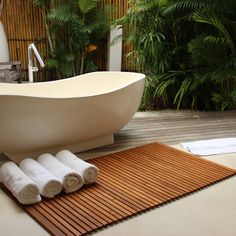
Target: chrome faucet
[(31, 67)]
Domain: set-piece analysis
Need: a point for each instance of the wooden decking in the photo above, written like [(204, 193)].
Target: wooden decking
[(170, 127)]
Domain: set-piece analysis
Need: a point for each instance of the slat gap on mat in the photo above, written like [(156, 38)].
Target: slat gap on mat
[(131, 202), (166, 157), (177, 173), (51, 224), (128, 187), (53, 218), (125, 207), (101, 206), (141, 192), (170, 153), (129, 182), (161, 169), (208, 176), (116, 205), (77, 210), (82, 216), (64, 219), (140, 181), (105, 205), (99, 210), (195, 159), (195, 175), (76, 216), (69, 217), (102, 181), (152, 178), (90, 212), (168, 178), (145, 184)]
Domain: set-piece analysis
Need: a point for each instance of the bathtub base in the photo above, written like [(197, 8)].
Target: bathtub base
[(75, 148)]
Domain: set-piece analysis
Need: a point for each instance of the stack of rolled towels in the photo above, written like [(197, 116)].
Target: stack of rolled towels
[(47, 176)]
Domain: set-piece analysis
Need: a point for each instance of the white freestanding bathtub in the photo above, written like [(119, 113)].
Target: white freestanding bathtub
[(78, 113)]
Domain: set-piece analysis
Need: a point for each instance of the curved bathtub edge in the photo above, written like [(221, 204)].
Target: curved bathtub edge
[(9, 86)]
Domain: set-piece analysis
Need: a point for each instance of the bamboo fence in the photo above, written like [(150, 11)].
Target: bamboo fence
[(23, 23)]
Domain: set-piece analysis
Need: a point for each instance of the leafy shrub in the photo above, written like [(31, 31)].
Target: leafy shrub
[(187, 50), (74, 29)]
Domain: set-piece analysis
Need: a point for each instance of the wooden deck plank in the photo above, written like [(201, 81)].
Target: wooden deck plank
[(169, 127)]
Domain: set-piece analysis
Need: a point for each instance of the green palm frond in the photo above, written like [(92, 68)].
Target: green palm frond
[(209, 17), (86, 6), (187, 6), (216, 40), (40, 2), (205, 54), (62, 14), (183, 90), (225, 101), (144, 6), (162, 83), (231, 62), (222, 75)]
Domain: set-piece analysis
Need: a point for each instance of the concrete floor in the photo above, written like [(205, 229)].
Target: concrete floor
[(209, 212)]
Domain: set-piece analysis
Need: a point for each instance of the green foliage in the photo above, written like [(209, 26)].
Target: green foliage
[(86, 6), (42, 3), (75, 28), (187, 50)]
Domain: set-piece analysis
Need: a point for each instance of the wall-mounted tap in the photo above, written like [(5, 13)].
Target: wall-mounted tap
[(31, 68)]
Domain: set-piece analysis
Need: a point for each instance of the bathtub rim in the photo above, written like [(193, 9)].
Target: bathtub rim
[(139, 77)]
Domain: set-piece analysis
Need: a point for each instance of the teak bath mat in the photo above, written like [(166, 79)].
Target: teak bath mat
[(129, 182)]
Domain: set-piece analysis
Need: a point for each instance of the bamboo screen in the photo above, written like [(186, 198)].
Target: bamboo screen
[(23, 23)]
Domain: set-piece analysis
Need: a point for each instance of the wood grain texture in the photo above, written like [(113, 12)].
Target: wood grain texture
[(130, 182), (169, 127)]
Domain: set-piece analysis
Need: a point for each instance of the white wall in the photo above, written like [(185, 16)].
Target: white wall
[(115, 50), (4, 52)]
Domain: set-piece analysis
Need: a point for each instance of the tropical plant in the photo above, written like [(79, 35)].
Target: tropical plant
[(75, 28), (187, 49), (211, 53), (146, 32)]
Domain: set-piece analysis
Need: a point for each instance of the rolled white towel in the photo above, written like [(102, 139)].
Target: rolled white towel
[(48, 185), (20, 185), (71, 180), (87, 170)]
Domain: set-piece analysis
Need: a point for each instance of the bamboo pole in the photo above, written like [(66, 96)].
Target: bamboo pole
[(23, 23)]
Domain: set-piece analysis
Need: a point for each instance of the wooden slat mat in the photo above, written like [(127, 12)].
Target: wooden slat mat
[(129, 182)]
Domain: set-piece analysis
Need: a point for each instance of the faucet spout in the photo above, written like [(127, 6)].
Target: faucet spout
[(31, 68)]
